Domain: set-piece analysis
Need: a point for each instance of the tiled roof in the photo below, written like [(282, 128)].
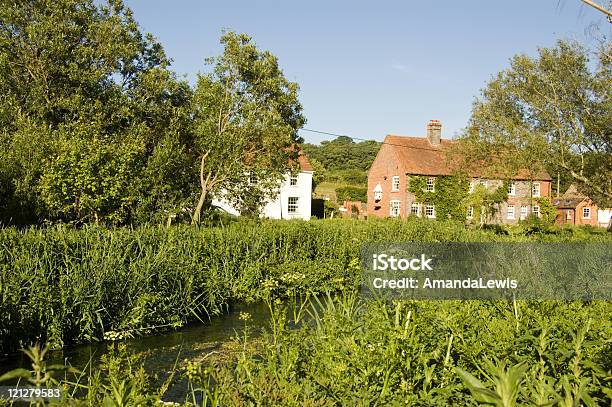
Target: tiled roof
[(570, 199), (303, 161), (418, 156)]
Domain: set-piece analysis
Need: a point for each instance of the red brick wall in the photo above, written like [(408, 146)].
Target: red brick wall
[(580, 220), (386, 166)]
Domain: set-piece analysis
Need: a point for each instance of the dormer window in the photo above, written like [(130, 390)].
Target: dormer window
[(430, 186), (377, 192)]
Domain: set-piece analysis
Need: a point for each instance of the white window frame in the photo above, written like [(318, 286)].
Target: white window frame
[(512, 189), (524, 212), (536, 190), (535, 209), (432, 208), (430, 184), (484, 183), (395, 206), (252, 178), (588, 211), (472, 185), (395, 183), (568, 214), (470, 212), (293, 204), (293, 180), (510, 212), (417, 206), (377, 195)]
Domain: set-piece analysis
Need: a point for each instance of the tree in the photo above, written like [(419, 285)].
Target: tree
[(550, 113), (246, 117), (82, 89)]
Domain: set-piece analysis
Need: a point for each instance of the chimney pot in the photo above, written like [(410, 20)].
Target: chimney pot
[(434, 132)]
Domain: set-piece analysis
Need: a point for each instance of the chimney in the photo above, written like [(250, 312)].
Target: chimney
[(434, 132)]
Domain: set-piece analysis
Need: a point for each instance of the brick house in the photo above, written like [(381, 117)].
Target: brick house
[(574, 208), (401, 157)]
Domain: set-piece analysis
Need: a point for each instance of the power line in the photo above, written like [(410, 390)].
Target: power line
[(362, 139)]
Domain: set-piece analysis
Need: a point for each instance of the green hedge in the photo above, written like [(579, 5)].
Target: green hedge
[(66, 286)]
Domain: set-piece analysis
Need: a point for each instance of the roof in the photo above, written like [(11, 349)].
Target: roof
[(418, 156), (570, 199), (303, 161)]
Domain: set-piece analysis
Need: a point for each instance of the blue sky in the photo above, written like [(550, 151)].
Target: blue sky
[(367, 69)]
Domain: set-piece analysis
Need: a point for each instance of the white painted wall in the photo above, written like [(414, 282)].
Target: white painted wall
[(278, 208), (603, 217)]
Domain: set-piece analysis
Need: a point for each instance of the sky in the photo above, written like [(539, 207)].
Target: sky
[(367, 69)]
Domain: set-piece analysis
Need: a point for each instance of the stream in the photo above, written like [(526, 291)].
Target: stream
[(160, 351)]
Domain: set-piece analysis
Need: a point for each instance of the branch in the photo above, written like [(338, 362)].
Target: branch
[(586, 181), (598, 7)]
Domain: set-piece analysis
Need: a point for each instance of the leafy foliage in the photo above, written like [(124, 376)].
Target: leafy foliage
[(548, 113), (351, 194), (343, 153)]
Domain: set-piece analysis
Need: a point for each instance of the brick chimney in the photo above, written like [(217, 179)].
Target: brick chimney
[(434, 132)]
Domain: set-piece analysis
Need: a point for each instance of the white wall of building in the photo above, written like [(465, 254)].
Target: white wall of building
[(278, 208), (603, 217)]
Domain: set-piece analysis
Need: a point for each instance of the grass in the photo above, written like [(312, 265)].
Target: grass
[(347, 351), (63, 286)]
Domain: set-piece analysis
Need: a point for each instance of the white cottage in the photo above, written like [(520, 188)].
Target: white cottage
[(293, 200)]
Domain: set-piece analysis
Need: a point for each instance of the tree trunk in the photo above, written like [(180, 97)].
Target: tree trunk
[(198, 210), (197, 214)]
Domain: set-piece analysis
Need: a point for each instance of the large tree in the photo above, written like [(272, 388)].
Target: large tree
[(246, 118), (553, 113), (86, 99)]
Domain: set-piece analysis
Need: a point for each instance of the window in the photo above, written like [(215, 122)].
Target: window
[(568, 215), (395, 183), (430, 187), (510, 212), (512, 189), (377, 192), (292, 205), (535, 189), (252, 178), (395, 208), (470, 212), (293, 180), (472, 185), (586, 213), (524, 211), (430, 211), (536, 210), (415, 209)]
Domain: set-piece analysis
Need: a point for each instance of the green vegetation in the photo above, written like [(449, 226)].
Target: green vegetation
[(426, 353), (343, 153), (452, 198), (343, 161), (65, 286), (96, 128), (551, 112), (349, 352), (352, 194)]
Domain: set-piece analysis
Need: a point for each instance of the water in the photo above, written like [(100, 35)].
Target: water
[(161, 351)]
